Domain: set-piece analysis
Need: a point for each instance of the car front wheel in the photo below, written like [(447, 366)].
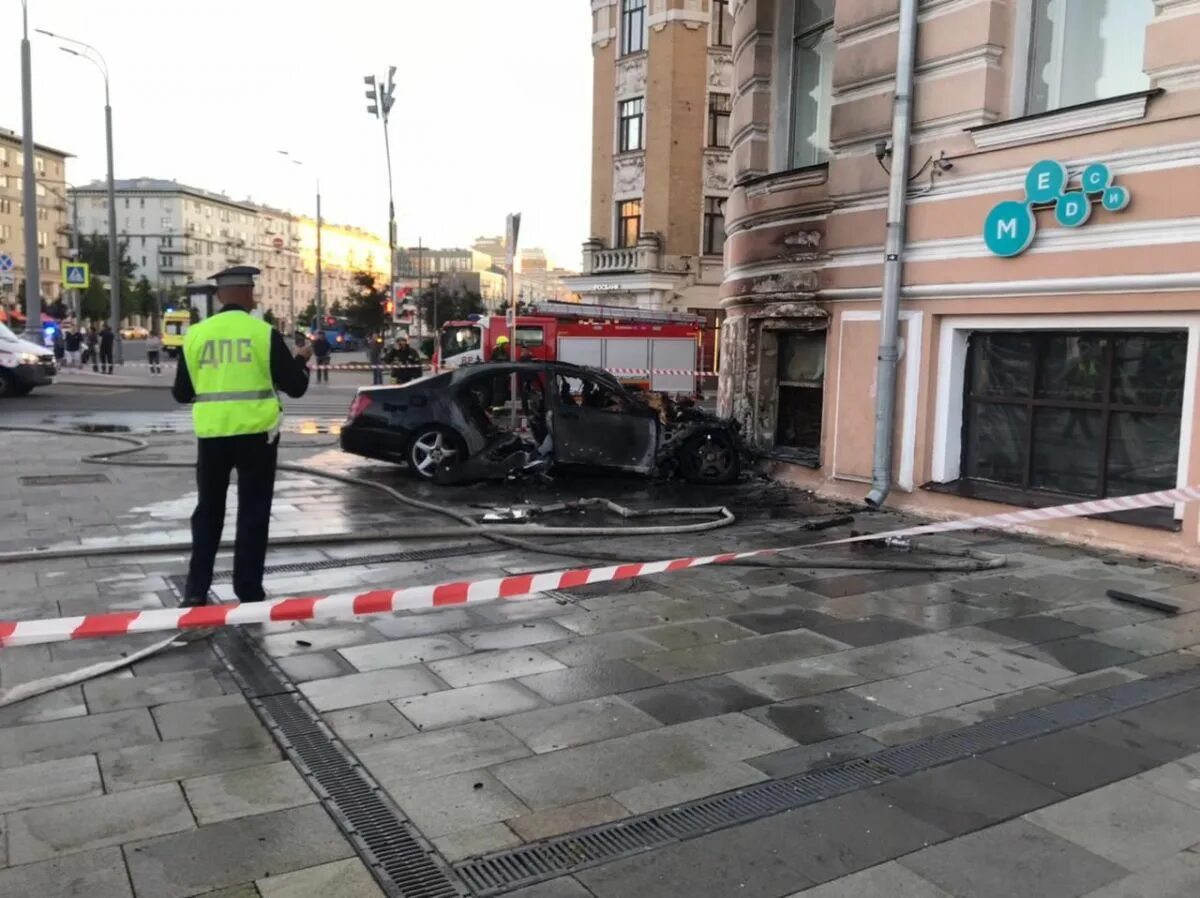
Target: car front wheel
[(433, 448), (711, 458)]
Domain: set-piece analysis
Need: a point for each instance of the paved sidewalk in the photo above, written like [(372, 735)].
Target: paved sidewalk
[(497, 725)]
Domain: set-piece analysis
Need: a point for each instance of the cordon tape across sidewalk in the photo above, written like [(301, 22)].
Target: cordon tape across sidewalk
[(411, 598)]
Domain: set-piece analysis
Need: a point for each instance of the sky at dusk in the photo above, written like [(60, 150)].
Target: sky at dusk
[(492, 111)]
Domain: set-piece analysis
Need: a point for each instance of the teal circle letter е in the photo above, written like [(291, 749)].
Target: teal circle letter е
[(1045, 182)]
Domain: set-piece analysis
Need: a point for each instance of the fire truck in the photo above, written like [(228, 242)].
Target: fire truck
[(667, 351)]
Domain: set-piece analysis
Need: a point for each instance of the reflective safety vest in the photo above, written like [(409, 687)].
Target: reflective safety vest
[(229, 359)]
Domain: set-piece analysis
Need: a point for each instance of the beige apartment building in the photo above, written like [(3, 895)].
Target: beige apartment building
[(1050, 293), (53, 219), (662, 91)]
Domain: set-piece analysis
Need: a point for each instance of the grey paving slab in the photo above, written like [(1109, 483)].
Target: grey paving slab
[(686, 664), (696, 633), (1165, 730), (151, 689), (592, 650), (709, 781), (1006, 671), (613, 765), (966, 795), (1125, 823), (574, 684), (403, 652), (247, 745), (917, 729), (452, 707), (373, 686), (778, 620), (922, 692), (1179, 780), (564, 887), (488, 667), (87, 823), (1071, 762), (565, 726), (797, 679), (49, 782), (465, 843), (314, 666), (441, 752), (1094, 681), (234, 851), (985, 864), (57, 705), (1175, 877), (692, 699), (197, 717), (456, 802), (888, 880), (1081, 655), (515, 635), (525, 609), (556, 821), (591, 623), (822, 717), (803, 758), (338, 879), (365, 724), (88, 874), (404, 626), (32, 743), (905, 656), (299, 640), (1145, 639), (248, 790)]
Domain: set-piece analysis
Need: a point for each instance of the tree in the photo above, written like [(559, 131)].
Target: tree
[(451, 306), (335, 308), (94, 306), (140, 300), (269, 317), (365, 302), (306, 316), (93, 249)]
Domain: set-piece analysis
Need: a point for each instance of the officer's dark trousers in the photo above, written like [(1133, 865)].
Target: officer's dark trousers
[(106, 361), (254, 458)]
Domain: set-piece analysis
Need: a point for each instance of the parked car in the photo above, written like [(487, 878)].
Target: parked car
[(134, 332), (446, 420)]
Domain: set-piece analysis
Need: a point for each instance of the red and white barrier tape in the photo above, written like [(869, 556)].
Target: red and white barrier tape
[(364, 366), (344, 605)]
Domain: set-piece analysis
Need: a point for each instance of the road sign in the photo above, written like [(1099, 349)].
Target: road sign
[(75, 275), (6, 262)]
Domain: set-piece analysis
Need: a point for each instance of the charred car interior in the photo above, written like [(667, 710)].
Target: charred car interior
[(457, 427)]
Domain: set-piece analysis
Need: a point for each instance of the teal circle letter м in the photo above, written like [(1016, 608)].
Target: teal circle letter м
[(1045, 182), (1009, 228)]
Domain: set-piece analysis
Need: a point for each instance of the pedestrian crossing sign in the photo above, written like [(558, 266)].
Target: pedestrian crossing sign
[(75, 275)]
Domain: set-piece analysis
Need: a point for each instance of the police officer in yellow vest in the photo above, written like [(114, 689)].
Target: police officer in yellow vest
[(231, 366)]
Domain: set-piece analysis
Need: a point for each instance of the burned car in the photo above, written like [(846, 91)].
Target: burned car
[(456, 426)]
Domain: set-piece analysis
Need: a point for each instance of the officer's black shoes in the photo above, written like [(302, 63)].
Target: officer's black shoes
[(193, 602)]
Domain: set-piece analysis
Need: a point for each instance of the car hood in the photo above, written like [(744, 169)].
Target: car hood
[(20, 346)]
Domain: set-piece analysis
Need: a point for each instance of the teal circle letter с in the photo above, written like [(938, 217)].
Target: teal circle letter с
[(1009, 228), (1096, 178)]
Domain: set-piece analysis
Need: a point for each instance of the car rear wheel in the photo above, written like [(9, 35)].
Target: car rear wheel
[(710, 458), (431, 449), (8, 384)]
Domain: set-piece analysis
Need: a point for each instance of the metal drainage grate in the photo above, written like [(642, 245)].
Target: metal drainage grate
[(62, 479), (507, 870), (403, 863)]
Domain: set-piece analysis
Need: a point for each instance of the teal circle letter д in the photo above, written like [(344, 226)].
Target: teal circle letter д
[(1009, 228)]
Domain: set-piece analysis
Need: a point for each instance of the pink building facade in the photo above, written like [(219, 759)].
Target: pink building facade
[(1050, 323)]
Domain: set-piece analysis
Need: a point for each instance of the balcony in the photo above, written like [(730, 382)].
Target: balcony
[(646, 256), (175, 268), (174, 250)]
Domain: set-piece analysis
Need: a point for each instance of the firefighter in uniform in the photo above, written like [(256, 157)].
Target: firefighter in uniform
[(230, 368)]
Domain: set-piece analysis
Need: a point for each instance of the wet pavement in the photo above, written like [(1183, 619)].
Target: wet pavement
[(496, 725)]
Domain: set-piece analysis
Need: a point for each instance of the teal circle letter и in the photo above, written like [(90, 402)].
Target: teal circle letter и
[(1009, 228), (1073, 210), (1115, 199), (1045, 182), (1096, 178)]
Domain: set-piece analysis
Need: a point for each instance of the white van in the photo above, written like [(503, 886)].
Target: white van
[(23, 365)]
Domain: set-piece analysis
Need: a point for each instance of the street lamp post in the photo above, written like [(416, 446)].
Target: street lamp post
[(33, 284), (320, 299), (96, 58), (380, 97)]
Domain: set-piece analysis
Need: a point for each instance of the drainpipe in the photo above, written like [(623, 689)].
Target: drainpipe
[(889, 319)]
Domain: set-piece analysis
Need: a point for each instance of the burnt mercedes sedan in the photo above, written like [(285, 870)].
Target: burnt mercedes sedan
[(457, 426)]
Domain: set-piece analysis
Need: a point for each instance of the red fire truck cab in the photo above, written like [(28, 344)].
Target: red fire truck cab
[(654, 350)]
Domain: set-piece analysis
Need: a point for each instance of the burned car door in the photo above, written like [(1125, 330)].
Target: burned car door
[(597, 424)]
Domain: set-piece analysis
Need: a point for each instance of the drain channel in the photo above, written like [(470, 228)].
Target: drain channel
[(507, 870)]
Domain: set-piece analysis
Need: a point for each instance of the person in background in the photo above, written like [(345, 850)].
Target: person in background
[(321, 349), (106, 349), (60, 347), (73, 342), (405, 361), (500, 350), (154, 352), (375, 358), (92, 353)]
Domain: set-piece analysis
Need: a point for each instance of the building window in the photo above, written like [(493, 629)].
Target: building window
[(718, 120), (1084, 50), (722, 18), (5, 232), (633, 26), (629, 222), (4, 182), (632, 117), (41, 238), (1080, 413), (40, 190), (39, 165), (714, 225), (5, 206), (812, 81)]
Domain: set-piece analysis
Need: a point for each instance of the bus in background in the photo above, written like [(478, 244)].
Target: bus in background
[(174, 325), (341, 334)]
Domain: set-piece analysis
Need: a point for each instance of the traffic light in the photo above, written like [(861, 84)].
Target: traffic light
[(386, 94), (372, 95)]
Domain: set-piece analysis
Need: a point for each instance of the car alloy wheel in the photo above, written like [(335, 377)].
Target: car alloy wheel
[(429, 451)]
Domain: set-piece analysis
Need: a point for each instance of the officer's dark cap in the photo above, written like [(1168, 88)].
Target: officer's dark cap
[(237, 276)]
